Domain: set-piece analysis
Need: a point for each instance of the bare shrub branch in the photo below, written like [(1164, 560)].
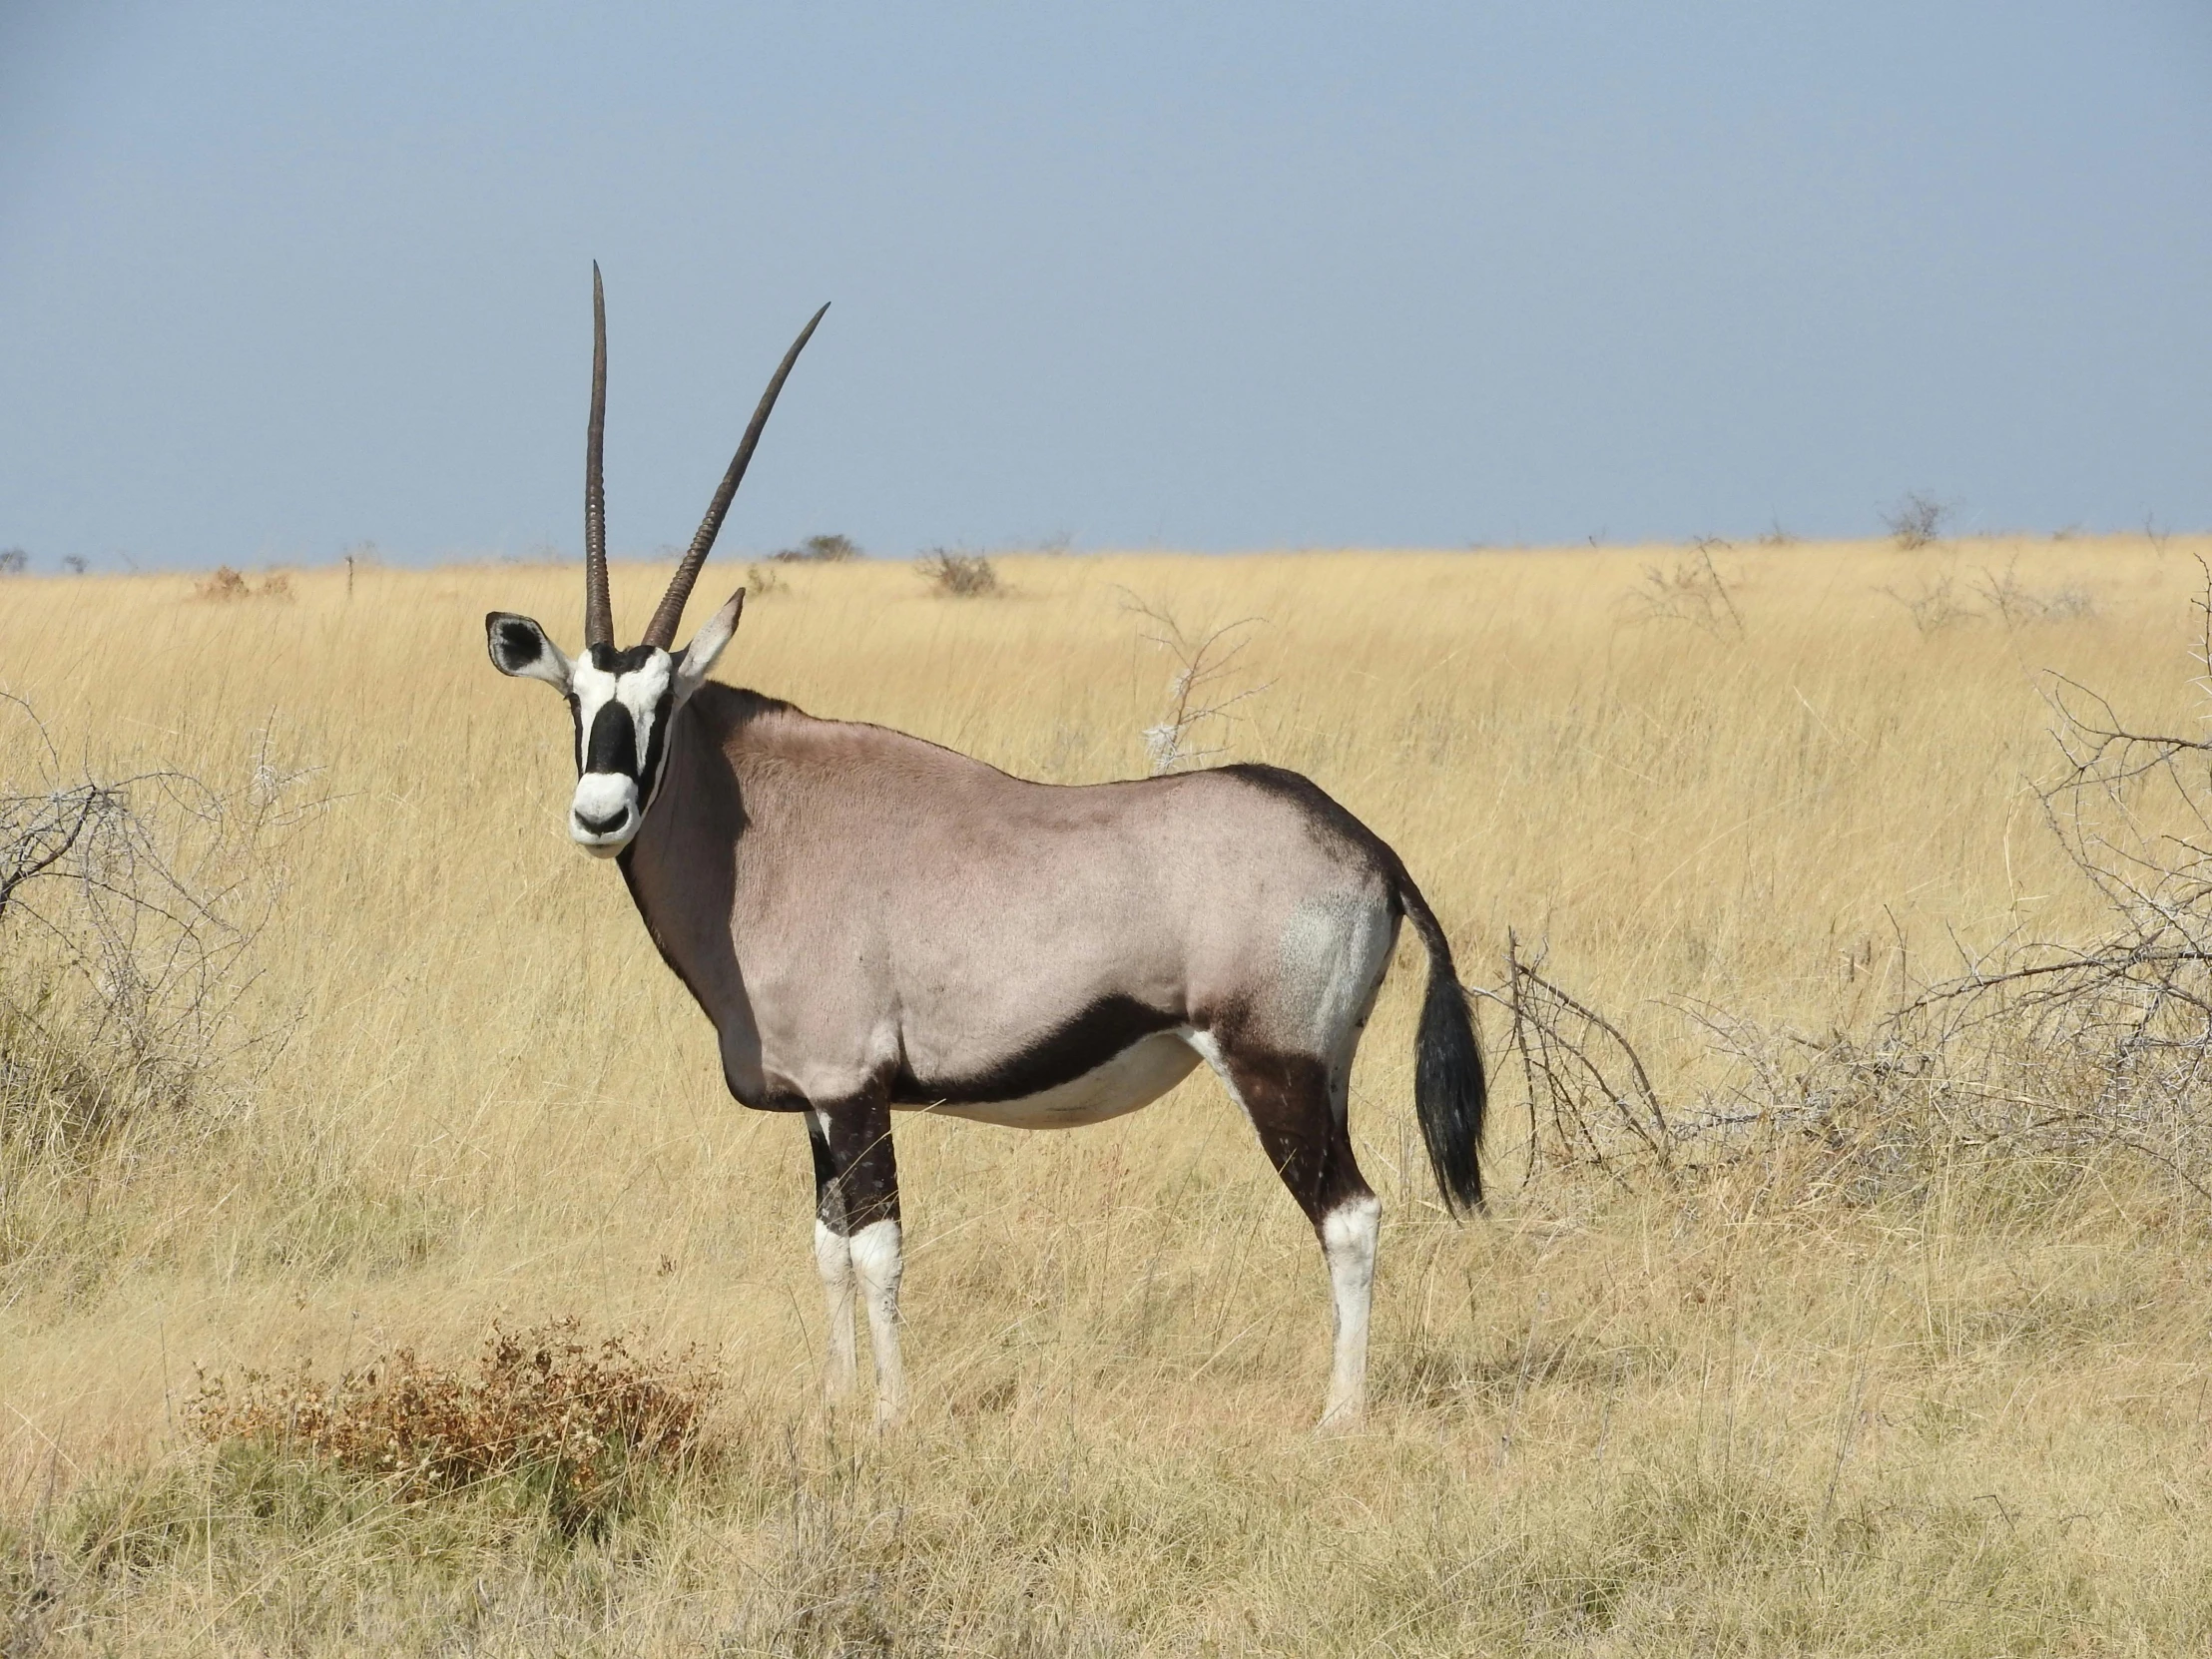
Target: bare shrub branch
[(1692, 590), (1917, 520), (2014, 603), (1934, 604), (129, 908), (1581, 1079), (2045, 1052), (1198, 700), (2067, 1045)]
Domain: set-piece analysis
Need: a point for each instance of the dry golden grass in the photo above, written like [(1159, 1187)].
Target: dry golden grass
[(1708, 1419)]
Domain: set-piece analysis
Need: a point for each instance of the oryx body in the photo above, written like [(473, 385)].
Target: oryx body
[(876, 923)]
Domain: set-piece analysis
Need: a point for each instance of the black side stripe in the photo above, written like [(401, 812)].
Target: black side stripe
[(1083, 1044)]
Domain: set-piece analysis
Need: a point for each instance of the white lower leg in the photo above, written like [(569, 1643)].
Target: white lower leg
[(877, 1265), (1348, 1235), (833, 1260)]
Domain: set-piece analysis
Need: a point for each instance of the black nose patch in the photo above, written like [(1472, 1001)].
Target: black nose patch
[(614, 741), (601, 825)]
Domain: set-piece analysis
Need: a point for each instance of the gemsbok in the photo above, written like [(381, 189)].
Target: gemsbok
[(874, 925)]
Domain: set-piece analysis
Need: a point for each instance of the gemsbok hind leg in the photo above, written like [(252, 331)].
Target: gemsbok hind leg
[(857, 1244), (1294, 1102), (833, 1261)]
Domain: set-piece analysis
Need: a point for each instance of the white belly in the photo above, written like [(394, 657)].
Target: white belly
[(1137, 1076)]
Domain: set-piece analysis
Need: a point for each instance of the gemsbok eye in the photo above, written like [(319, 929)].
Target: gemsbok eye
[(875, 923)]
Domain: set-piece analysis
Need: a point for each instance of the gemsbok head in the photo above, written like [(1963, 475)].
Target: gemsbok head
[(875, 923), (622, 701)]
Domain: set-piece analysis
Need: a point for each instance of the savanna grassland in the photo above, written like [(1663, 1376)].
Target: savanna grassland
[(1955, 1404)]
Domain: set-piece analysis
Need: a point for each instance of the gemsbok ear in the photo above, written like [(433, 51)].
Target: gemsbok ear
[(699, 656), (519, 646)]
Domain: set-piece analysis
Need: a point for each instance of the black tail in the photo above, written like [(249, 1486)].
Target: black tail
[(1448, 1091)]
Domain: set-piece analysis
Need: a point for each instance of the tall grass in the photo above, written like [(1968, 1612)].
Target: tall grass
[(1729, 1411)]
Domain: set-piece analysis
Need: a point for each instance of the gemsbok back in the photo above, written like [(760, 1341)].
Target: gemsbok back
[(875, 924)]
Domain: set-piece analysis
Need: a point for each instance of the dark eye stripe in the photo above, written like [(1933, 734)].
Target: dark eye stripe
[(655, 749)]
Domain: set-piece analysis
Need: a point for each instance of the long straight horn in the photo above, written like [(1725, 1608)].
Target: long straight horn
[(599, 614), (661, 631)]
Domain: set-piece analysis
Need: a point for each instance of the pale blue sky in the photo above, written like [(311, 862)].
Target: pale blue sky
[(275, 278)]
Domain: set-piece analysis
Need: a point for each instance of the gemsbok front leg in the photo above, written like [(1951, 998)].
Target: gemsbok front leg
[(857, 1243)]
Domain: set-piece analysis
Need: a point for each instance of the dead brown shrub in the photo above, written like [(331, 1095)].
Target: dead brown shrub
[(576, 1419), (226, 583)]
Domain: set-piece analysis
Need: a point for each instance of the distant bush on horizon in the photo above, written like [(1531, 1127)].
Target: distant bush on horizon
[(820, 550)]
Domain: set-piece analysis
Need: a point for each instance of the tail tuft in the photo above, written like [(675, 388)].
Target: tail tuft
[(1449, 1089)]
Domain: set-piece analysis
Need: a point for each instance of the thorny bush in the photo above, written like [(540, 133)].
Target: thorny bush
[(2035, 1048), (958, 575), (129, 908), (576, 1420)]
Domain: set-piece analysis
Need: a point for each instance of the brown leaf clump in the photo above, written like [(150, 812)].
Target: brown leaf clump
[(539, 1401)]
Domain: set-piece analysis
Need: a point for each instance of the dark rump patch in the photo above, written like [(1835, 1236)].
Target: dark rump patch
[(1083, 1044), (1329, 821)]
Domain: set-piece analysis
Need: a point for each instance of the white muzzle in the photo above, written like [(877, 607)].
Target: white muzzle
[(604, 815)]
